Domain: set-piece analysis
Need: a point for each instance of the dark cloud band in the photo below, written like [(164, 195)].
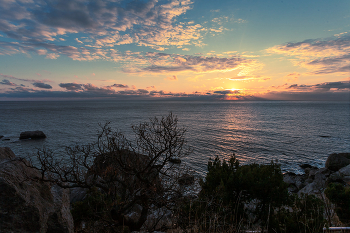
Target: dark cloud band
[(42, 85)]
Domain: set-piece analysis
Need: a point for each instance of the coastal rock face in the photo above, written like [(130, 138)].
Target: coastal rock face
[(32, 135), (28, 205), (337, 161), (6, 154), (77, 194), (315, 180), (157, 219), (344, 174), (295, 182), (345, 171)]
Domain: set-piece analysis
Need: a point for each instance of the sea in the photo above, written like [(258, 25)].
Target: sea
[(287, 132)]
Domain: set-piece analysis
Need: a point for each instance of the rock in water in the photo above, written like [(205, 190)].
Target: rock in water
[(186, 180), (305, 165), (175, 160), (32, 135), (337, 161), (28, 205)]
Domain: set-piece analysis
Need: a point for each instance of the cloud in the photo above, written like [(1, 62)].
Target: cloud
[(250, 77), (227, 92), (306, 96), (102, 91), (71, 86), (327, 86), (52, 56), (22, 89), (172, 78), (77, 40), (38, 27), (163, 62), (94, 89), (162, 93), (8, 76), (325, 56), (37, 24), (7, 82), (41, 51), (230, 95), (295, 74), (81, 53), (336, 85), (142, 91), (292, 77), (89, 92), (24, 79), (120, 86), (340, 34), (133, 92), (338, 91), (42, 85)]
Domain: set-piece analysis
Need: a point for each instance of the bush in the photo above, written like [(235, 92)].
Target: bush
[(304, 214), (253, 196), (340, 196), (92, 208), (260, 186)]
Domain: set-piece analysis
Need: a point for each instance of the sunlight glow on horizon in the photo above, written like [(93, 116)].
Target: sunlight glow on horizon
[(174, 49)]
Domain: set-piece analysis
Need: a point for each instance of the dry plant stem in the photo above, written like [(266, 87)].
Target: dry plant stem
[(132, 172)]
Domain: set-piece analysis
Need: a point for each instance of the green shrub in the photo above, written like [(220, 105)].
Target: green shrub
[(261, 184), (96, 211), (340, 196), (235, 198), (94, 207), (304, 214)]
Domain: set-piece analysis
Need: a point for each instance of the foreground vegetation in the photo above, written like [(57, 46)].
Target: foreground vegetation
[(125, 181), (236, 198)]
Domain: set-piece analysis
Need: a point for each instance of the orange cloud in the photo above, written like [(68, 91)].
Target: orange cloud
[(162, 62), (292, 77), (172, 78), (320, 56), (144, 23)]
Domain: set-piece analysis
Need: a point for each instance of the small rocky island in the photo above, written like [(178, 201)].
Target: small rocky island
[(30, 205), (32, 135)]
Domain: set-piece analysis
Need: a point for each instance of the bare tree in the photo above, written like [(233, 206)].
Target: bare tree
[(129, 173)]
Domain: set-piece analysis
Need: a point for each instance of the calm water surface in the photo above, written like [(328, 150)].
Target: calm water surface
[(290, 132)]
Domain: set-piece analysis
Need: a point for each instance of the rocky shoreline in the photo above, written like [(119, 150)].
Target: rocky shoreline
[(315, 180), (29, 205)]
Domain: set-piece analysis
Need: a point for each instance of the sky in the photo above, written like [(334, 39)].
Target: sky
[(187, 49)]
